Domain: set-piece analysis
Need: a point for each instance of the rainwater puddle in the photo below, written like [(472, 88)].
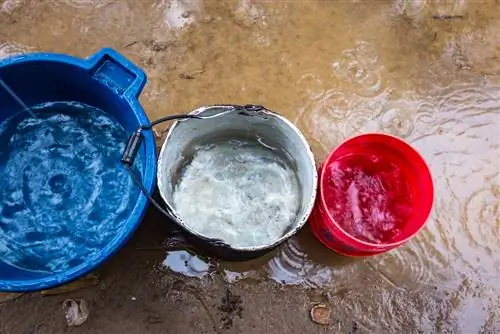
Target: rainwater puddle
[(425, 71), (179, 13), (187, 264)]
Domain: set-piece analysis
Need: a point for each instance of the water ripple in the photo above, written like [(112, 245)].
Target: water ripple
[(335, 115), (318, 123), (313, 86), (292, 266), (438, 9), (483, 210), (181, 13), (250, 13), (408, 267), (444, 8), (409, 8), (84, 4), (8, 6), (359, 67), (407, 119), (456, 130), (464, 155), (480, 48)]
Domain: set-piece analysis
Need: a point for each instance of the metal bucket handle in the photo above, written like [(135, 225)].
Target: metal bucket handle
[(134, 143)]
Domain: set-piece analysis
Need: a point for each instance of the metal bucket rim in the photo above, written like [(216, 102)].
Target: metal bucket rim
[(229, 108)]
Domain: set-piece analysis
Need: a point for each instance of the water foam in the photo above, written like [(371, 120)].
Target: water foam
[(64, 194), (238, 191)]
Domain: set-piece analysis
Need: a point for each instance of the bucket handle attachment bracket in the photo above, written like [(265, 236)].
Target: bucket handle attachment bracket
[(135, 140), (130, 153), (132, 148)]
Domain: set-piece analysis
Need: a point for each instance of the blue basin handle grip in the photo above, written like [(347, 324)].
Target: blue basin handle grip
[(117, 73)]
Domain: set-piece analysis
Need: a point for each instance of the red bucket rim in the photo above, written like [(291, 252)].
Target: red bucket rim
[(338, 250), (332, 221)]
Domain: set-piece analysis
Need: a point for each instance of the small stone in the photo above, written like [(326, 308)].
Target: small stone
[(355, 327), (76, 313), (320, 314), (192, 73)]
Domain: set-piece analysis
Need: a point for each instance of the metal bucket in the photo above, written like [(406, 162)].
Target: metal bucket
[(227, 122)]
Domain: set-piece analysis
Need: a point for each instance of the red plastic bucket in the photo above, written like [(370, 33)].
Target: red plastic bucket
[(368, 151)]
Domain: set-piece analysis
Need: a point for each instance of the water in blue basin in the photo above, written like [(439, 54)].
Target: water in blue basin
[(64, 193)]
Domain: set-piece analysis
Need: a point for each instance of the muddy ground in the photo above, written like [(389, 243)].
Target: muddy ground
[(136, 295), (426, 71)]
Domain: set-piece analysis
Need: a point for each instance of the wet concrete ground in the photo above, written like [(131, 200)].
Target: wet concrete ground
[(426, 71)]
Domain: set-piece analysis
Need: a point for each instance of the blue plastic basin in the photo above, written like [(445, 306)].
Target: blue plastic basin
[(105, 80)]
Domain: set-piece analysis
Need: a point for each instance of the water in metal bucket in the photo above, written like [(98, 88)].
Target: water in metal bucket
[(240, 191)]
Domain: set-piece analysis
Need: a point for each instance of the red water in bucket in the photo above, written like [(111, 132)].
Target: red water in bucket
[(375, 194)]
